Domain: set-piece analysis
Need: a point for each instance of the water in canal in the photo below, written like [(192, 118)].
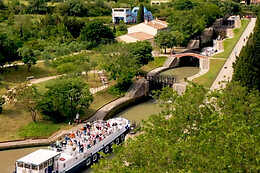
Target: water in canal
[(137, 113), (180, 73)]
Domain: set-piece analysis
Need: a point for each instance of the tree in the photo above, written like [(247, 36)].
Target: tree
[(140, 14), (164, 39), (86, 68), (247, 65), (97, 33), (7, 50), (94, 64), (28, 99), (196, 132), (141, 51), (37, 6), (73, 8), (2, 102), (119, 64), (64, 97), (2, 5), (29, 57)]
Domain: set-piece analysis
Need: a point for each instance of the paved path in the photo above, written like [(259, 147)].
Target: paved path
[(226, 72), (92, 90)]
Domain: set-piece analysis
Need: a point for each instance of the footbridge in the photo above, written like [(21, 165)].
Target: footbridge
[(176, 60)]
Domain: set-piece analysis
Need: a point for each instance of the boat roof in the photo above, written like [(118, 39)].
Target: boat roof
[(38, 157)]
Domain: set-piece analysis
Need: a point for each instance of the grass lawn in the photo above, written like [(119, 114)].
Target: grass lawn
[(157, 62), (100, 99), (12, 77), (216, 65), (93, 82), (17, 124), (230, 43), (44, 129), (207, 79)]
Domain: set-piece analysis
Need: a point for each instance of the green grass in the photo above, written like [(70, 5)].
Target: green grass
[(157, 62), (12, 77), (207, 79), (39, 129), (216, 65), (100, 99), (93, 82), (230, 43)]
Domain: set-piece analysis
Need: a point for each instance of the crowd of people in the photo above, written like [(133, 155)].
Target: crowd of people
[(88, 136)]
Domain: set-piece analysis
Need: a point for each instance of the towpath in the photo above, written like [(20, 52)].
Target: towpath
[(226, 72)]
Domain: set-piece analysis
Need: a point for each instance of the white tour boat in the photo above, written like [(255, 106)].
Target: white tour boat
[(76, 151)]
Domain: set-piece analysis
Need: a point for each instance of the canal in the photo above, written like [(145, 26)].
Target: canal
[(180, 73), (135, 113)]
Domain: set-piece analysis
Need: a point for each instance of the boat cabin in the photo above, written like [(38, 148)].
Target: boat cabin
[(40, 161)]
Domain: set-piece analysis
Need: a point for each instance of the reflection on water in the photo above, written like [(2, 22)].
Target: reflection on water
[(135, 113), (180, 73)]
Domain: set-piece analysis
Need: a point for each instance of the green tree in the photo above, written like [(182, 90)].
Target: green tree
[(2, 5), (141, 51), (64, 98), (196, 132), (73, 8), (119, 64), (164, 39), (97, 33), (247, 65), (37, 6), (29, 57), (94, 65), (28, 100), (2, 102), (140, 14), (7, 50)]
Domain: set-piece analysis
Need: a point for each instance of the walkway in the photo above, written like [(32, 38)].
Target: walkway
[(226, 72), (92, 90)]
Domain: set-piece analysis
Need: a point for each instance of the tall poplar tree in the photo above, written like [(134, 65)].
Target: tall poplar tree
[(140, 14)]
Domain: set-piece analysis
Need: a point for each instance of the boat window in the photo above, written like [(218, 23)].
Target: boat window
[(20, 164), (45, 164), (41, 166), (56, 158), (50, 162), (64, 165), (26, 165), (34, 167)]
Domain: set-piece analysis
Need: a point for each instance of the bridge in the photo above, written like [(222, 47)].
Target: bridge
[(175, 61), (195, 59)]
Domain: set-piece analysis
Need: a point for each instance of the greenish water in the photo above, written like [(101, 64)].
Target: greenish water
[(141, 111), (180, 73), (134, 113)]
